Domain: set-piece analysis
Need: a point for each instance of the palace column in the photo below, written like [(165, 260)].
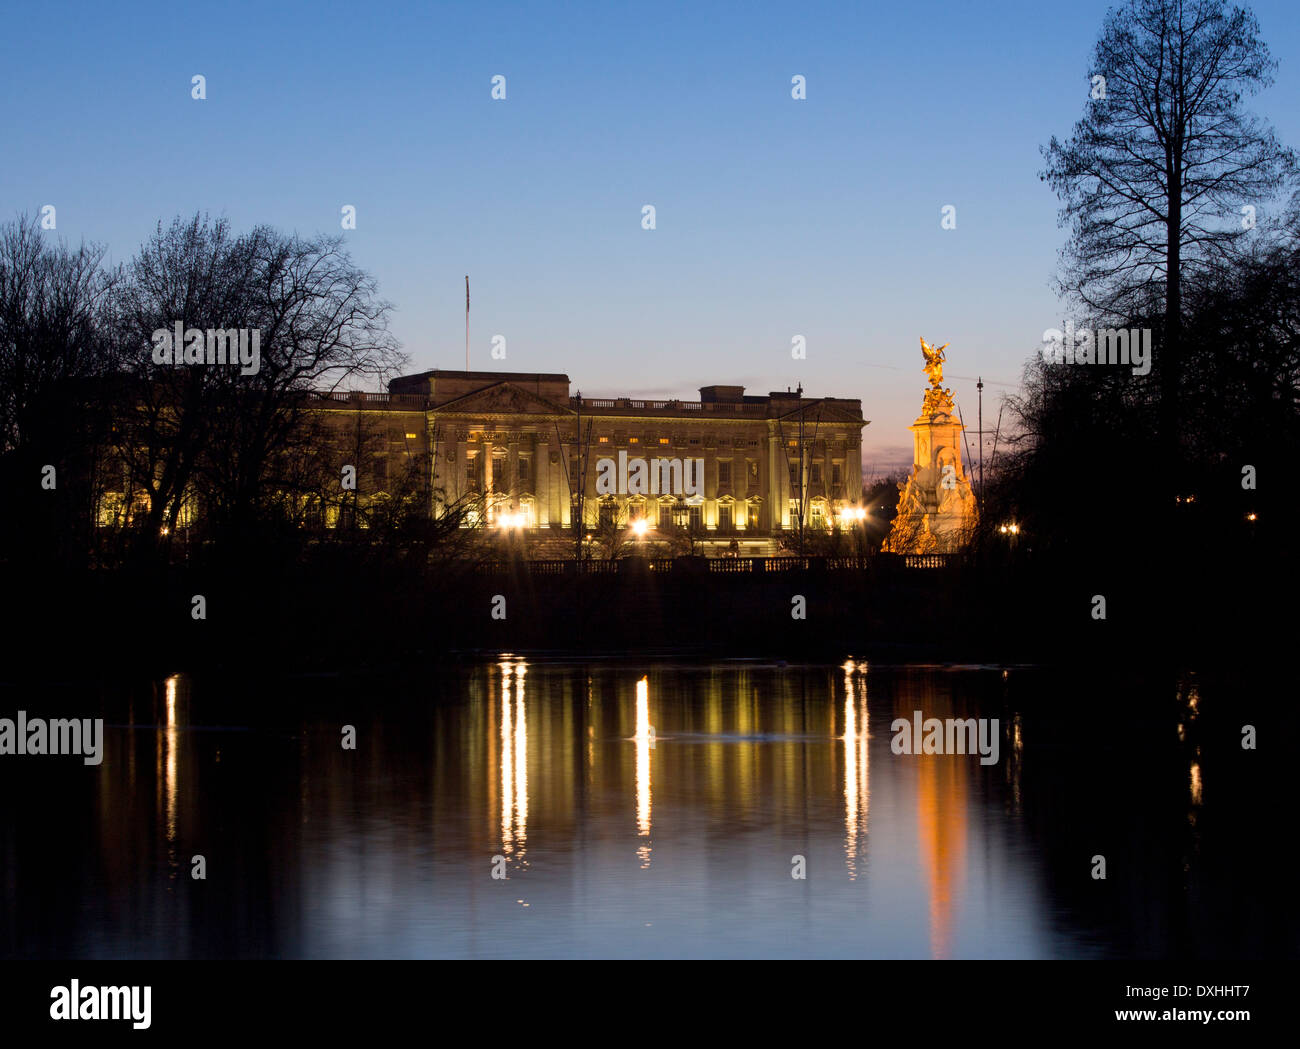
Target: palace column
[(460, 470), (542, 481)]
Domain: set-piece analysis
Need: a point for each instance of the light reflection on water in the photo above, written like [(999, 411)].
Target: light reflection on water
[(550, 809)]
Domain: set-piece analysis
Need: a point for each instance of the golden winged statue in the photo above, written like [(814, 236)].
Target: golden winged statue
[(933, 362)]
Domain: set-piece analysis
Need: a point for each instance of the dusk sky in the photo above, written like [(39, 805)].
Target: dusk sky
[(775, 217)]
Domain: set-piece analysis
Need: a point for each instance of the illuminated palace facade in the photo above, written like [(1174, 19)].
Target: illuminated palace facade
[(525, 445)]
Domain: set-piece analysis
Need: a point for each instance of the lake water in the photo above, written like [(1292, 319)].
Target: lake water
[(645, 810)]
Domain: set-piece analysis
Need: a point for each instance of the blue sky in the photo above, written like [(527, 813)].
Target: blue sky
[(775, 217)]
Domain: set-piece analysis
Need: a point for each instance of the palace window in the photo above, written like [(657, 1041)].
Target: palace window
[(816, 473), (724, 517), (525, 473), (753, 473), (724, 471), (695, 518)]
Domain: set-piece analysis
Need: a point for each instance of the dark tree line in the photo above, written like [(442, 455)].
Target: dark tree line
[(86, 409), (1175, 197)]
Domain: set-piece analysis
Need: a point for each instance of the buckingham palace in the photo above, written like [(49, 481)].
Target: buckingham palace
[(536, 456)]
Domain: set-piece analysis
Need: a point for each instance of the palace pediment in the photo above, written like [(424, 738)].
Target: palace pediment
[(822, 411), (503, 398)]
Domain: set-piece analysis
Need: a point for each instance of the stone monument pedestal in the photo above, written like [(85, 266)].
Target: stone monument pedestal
[(936, 507)]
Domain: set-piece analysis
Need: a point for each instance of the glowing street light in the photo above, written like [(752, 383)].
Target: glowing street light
[(852, 513), (640, 526)]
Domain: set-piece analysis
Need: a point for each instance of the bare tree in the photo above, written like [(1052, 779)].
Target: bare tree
[(54, 347), (212, 431), (1157, 172)]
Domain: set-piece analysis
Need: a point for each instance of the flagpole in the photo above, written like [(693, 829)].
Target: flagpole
[(467, 322)]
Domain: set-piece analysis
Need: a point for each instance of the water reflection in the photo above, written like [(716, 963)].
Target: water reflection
[(580, 776), (644, 739), (168, 737), (857, 792), (514, 763)]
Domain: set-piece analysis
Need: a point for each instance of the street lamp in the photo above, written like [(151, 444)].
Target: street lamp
[(1011, 530)]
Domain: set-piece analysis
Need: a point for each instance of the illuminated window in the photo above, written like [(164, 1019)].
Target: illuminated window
[(604, 440), (724, 471), (412, 436), (724, 517), (663, 440), (634, 440)]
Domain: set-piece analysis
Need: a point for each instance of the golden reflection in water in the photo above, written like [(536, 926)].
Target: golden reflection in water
[(1195, 776), (168, 737), (642, 738), (514, 762), (941, 815), (857, 793), (521, 759), (1016, 762)]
